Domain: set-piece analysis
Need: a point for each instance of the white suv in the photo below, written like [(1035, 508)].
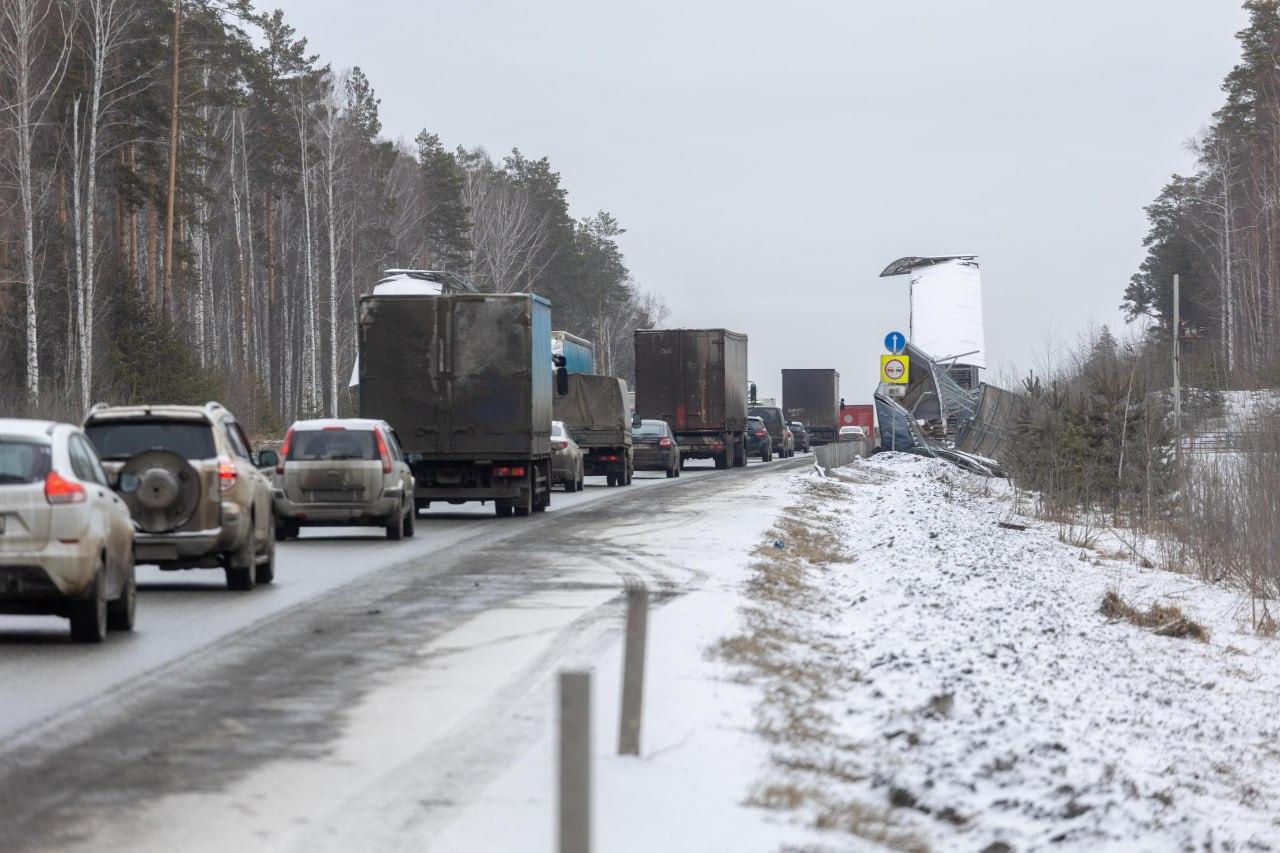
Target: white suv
[(66, 539)]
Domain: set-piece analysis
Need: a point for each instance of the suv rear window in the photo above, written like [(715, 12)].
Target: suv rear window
[(23, 462), (772, 417), (316, 445), (122, 439)]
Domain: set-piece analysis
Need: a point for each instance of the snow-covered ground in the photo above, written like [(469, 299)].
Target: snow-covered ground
[(887, 665)]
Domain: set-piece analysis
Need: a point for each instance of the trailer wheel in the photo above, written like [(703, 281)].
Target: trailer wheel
[(501, 509)]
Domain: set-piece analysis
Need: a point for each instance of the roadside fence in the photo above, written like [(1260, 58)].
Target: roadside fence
[(839, 453)]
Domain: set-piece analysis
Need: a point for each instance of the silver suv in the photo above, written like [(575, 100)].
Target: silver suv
[(197, 497), (334, 472), (66, 540)]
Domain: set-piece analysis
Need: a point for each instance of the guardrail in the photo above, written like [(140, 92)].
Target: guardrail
[(834, 455)]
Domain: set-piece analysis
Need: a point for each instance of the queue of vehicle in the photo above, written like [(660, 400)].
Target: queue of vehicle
[(492, 406)]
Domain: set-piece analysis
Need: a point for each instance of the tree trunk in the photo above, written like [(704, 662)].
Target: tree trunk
[(173, 156)]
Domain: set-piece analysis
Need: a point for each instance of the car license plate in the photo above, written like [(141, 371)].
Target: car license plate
[(145, 552)]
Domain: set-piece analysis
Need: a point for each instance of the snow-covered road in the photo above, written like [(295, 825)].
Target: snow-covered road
[(349, 706), (837, 664)]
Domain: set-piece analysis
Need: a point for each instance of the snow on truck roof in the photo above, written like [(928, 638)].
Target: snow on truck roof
[(421, 283), (330, 423)]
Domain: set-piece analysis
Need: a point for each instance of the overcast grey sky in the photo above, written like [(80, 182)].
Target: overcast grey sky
[(768, 159)]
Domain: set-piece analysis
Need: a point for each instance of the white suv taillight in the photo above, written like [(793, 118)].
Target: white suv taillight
[(60, 490), (226, 473)]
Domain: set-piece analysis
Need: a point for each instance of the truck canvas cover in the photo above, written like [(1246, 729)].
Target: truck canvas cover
[(459, 375), (694, 379), (595, 410)]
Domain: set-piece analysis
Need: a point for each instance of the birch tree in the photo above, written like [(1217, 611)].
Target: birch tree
[(107, 27), (35, 43)]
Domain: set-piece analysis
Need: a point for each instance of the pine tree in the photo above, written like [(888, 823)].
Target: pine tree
[(446, 222)]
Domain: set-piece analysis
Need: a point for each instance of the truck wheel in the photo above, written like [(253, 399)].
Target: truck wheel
[(630, 473), (740, 454), (286, 530), (524, 503), (610, 480), (89, 615), (722, 460), (502, 510)]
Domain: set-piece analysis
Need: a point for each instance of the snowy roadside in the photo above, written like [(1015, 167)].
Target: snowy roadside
[(871, 661), (950, 684)]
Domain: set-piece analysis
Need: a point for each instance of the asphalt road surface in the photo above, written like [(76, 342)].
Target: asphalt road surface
[(279, 718)]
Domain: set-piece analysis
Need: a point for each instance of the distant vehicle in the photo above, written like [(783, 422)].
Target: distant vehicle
[(578, 353), (337, 472), (656, 448), (696, 381), (461, 380), (594, 408), (860, 414), (188, 477), (783, 440), (566, 458), (852, 433), (758, 440), (66, 539), (801, 433), (812, 396)]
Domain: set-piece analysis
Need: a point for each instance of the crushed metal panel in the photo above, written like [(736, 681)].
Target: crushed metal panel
[(986, 433)]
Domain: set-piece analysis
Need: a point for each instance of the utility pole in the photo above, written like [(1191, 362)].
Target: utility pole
[(1177, 379)]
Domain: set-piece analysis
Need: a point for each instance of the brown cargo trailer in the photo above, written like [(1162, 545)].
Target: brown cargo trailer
[(696, 381), (595, 410), (465, 380), (812, 397)]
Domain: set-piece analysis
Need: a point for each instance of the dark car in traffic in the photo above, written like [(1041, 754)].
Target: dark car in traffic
[(801, 436), (776, 423), (759, 443), (655, 448)]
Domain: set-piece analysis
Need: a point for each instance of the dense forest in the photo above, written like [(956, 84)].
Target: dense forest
[(191, 205), (1219, 228)]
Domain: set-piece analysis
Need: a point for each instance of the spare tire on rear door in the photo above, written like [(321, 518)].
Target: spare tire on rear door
[(160, 488)]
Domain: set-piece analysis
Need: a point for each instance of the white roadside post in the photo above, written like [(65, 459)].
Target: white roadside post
[(574, 827), (633, 670)]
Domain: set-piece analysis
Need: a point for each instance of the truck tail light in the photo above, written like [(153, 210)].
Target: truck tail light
[(509, 471), (226, 473), (284, 450), (59, 490), (383, 451), (665, 442), (609, 457)]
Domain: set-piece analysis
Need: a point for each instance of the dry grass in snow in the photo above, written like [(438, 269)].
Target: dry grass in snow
[(927, 679)]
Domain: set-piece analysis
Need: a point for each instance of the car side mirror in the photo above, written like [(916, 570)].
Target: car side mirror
[(268, 459), (562, 381)]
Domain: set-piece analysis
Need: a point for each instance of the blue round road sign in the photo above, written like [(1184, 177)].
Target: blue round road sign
[(895, 342)]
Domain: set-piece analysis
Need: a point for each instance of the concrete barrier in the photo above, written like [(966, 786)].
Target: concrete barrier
[(834, 455)]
